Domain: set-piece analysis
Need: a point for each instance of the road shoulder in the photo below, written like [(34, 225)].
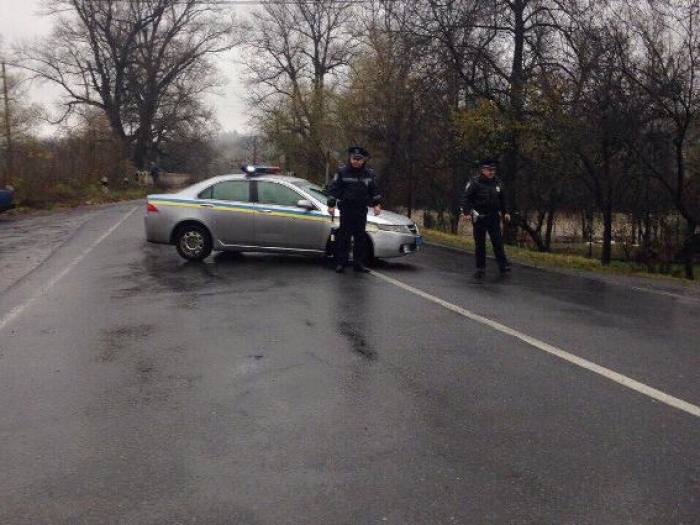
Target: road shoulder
[(662, 286), (28, 239)]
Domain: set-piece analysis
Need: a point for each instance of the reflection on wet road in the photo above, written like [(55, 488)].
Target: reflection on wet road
[(256, 389)]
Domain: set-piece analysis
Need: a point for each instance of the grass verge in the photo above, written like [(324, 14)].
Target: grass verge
[(560, 260)]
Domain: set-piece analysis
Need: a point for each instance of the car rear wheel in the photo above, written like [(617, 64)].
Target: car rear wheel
[(193, 242)]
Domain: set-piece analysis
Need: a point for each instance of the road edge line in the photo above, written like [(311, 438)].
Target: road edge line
[(607, 373), (18, 310)]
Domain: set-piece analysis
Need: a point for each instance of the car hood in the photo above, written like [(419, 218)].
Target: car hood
[(388, 217), (385, 217)]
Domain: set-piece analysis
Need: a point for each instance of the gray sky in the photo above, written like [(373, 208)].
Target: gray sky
[(21, 20)]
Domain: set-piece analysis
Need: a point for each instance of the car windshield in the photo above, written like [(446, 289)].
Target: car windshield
[(314, 190)]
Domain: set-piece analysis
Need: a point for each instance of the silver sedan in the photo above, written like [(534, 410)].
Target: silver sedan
[(264, 213)]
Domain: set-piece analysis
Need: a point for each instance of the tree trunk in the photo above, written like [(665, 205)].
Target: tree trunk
[(140, 154), (409, 193), (8, 130), (607, 236), (534, 233), (689, 251), (549, 230), (144, 138), (517, 105), (646, 239)]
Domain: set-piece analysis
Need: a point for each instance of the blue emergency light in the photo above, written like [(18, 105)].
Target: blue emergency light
[(250, 169)]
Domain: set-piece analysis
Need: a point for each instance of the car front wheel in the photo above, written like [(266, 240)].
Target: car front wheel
[(193, 242)]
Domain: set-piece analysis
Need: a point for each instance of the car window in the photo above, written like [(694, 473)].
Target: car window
[(274, 193), (314, 190), (231, 190)]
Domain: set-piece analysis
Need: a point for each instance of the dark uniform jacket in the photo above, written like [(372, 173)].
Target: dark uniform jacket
[(483, 195), (354, 188)]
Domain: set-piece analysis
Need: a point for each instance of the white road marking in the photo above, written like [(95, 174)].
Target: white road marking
[(18, 310), (553, 350)]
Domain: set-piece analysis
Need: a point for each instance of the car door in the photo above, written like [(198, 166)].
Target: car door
[(280, 223), (229, 212)]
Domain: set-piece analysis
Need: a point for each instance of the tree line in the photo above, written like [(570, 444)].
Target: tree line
[(591, 105)]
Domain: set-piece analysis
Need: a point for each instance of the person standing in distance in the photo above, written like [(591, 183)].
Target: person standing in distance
[(353, 189), (483, 202), (155, 173)]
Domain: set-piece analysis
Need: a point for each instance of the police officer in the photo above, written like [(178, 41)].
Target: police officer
[(353, 188), (482, 202)]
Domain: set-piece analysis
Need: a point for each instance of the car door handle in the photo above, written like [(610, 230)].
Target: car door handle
[(207, 205), (265, 211)]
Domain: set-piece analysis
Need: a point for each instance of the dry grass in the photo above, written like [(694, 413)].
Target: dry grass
[(69, 198)]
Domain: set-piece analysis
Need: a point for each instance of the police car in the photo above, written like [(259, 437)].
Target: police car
[(261, 210)]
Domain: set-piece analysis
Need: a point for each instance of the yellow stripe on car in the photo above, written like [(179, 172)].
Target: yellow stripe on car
[(242, 209)]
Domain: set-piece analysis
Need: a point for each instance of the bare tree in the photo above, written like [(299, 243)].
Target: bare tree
[(18, 119), (601, 114), (382, 105), (492, 50), (667, 73), (296, 50), (129, 58)]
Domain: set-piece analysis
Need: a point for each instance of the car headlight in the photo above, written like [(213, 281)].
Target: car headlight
[(397, 228)]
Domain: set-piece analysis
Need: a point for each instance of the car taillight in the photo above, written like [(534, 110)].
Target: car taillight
[(150, 208)]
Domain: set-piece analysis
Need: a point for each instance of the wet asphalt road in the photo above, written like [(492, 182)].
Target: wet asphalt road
[(137, 388)]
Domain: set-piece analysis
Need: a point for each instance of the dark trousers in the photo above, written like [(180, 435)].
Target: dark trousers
[(352, 225), (491, 224)]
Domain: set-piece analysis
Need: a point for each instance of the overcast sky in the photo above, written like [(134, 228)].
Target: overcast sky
[(21, 20)]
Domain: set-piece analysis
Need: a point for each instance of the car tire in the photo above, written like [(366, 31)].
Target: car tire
[(193, 242)]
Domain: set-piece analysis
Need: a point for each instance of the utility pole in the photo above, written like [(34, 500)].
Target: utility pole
[(8, 129)]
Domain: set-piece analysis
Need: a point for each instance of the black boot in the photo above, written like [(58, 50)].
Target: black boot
[(340, 269)]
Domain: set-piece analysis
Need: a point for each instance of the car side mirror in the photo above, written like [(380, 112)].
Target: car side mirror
[(306, 204)]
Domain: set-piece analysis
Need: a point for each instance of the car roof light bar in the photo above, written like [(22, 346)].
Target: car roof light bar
[(250, 170)]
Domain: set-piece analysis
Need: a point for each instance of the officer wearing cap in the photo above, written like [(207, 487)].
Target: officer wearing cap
[(353, 189), (483, 202)]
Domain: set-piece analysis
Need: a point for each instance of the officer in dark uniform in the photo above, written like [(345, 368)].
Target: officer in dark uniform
[(353, 189), (482, 202)]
